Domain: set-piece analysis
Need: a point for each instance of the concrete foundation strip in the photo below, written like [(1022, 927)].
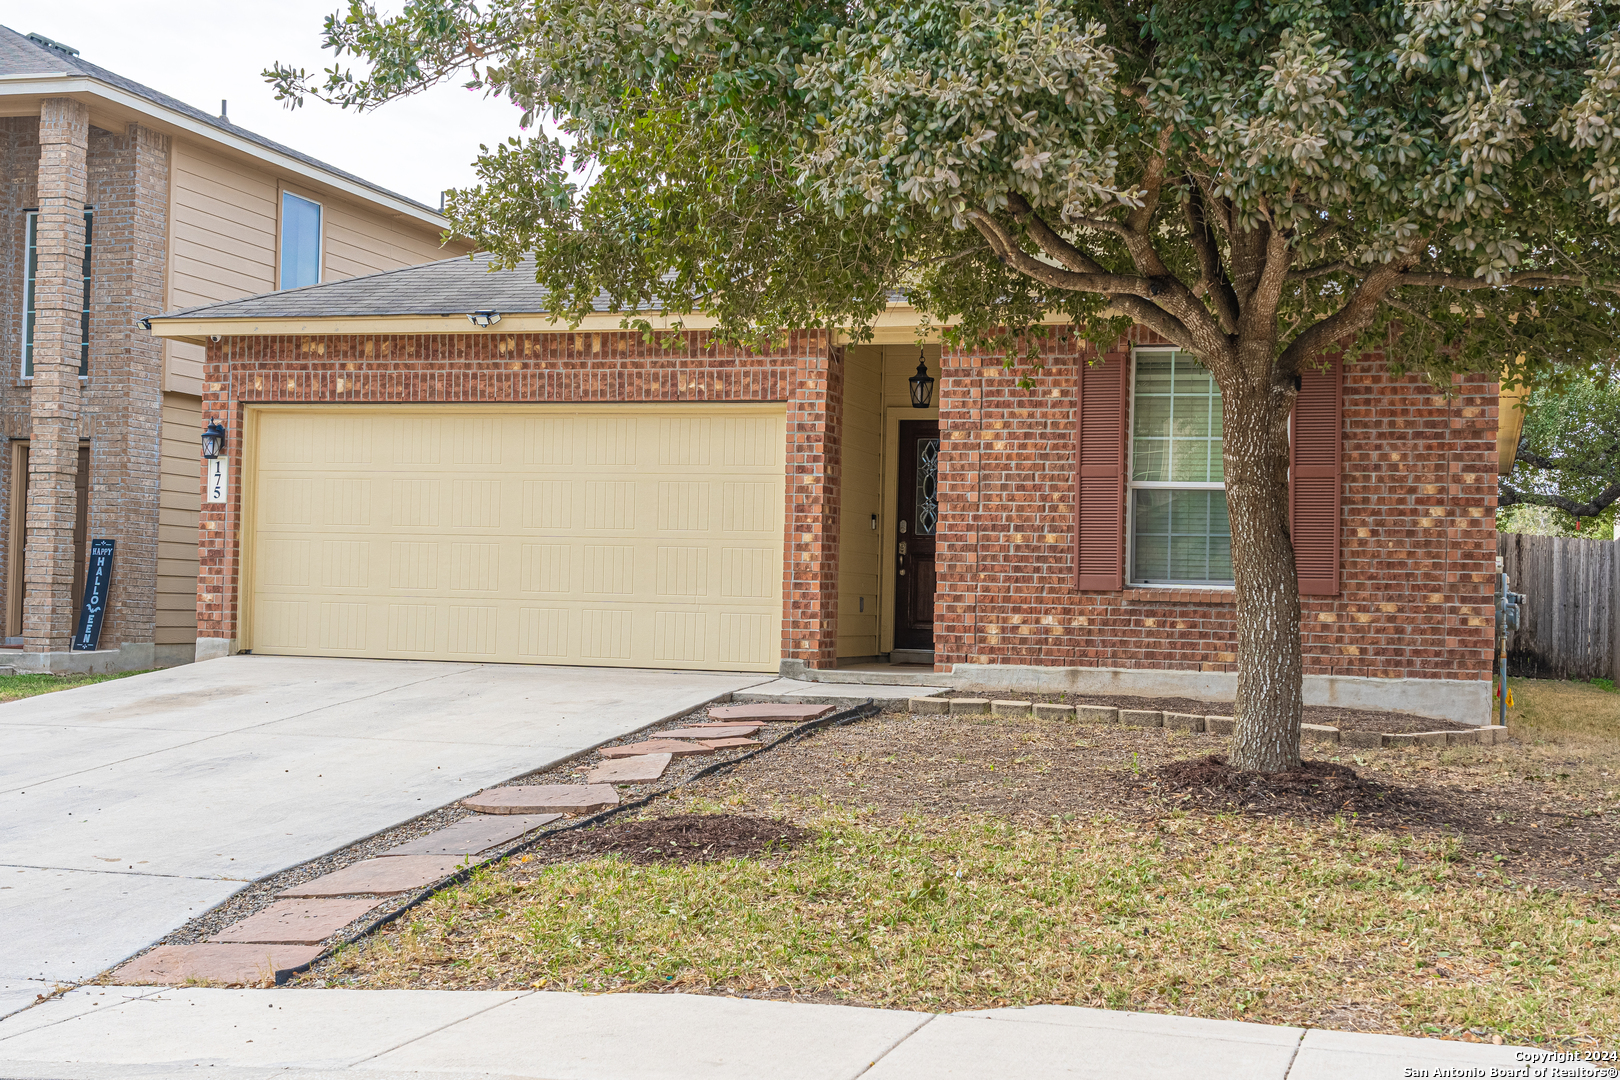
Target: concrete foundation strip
[(867, 708)]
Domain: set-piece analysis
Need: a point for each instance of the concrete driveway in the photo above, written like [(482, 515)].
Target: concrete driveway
[(128, 807)]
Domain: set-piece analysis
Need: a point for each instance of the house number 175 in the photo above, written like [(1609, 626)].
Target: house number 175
[(216, 480)]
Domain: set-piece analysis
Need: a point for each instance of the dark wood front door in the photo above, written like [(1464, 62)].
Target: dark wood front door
[(914, 540)]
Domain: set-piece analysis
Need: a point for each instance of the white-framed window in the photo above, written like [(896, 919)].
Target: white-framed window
[(1177, 522), (31, 272), (300, 241)]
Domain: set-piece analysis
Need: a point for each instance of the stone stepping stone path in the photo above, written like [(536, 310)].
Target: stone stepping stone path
[(382, 876), (469, 836), (770, 710), (296, 922), (630, 770), (288, 933), (711, 731), (543, 798), (217, 963), (674, 747)]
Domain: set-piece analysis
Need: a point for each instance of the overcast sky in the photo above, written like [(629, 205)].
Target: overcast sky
[(201, 51)]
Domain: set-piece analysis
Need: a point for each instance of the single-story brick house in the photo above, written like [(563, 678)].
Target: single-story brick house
[(404, 481)]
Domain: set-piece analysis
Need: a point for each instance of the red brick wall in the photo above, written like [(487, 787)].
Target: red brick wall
[(1417, 533), (582, 367)]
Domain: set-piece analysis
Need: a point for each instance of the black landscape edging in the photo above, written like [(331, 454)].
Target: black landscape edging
[(867, 708)]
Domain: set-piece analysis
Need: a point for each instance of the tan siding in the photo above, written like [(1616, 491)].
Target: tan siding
[(180, 501), (363, 241), (223, 223), (859, 545), (224, 219)]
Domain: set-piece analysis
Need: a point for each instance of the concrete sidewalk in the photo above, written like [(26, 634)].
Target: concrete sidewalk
[(104, 1031)]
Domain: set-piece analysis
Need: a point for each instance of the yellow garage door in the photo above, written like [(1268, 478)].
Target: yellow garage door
[(627, 535)]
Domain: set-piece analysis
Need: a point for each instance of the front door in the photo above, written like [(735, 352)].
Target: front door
[(914, 542)]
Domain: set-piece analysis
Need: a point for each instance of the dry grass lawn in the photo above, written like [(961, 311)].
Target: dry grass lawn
[(960, 864)]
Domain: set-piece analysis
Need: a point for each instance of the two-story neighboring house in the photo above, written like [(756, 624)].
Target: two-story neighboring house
[(119, 202)]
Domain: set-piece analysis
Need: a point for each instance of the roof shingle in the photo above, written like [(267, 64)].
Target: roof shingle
[(454, 286)]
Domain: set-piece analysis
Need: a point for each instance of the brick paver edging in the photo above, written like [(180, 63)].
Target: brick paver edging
[(1488, 735), (867, 708)]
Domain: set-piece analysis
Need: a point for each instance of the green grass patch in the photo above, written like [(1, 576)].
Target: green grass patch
[(13, 687), (1267, 920)]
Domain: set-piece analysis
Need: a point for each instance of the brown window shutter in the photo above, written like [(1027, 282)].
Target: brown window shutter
[(1313, 480), (1099, 438)]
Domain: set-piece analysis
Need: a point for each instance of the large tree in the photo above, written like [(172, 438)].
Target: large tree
[(1262, 183)]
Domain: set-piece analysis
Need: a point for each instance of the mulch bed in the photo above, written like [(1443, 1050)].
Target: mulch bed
[(1315, 788), (901, 767), (1393, 723), (677, 838)]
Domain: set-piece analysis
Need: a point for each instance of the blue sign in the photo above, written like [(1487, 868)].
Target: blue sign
[(93, 608)]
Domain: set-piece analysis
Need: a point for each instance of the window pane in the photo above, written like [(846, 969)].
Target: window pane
[(31, 272), (300, 242), (28, 295), (1190, 460), (1153, 372), (84, 314), (1180, 537), (1152, 416), (1175, 399)]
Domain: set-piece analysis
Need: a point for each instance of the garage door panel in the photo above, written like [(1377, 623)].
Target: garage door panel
[(626, 536)]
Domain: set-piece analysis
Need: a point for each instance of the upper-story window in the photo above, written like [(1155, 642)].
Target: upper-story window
[(300, 241), (1179, 529), (31, 273)]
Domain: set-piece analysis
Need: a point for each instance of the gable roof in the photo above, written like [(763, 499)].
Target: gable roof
[(454, 286), (22, 56), (436, 298)]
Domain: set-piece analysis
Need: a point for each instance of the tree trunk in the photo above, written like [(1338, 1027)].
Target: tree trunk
[(1269, 665)]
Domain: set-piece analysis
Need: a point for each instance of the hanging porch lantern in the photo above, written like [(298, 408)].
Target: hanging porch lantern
[(922, 384)]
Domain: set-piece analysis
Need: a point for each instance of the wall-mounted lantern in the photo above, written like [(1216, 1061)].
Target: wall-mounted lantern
[(922, 384), (213, 439)]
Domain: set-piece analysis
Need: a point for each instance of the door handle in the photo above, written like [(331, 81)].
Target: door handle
[(902, 547)]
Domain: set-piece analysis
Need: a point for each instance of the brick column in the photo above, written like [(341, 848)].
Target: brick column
[(219, 526), (960, 395), (810, 578), (124, 397), (48, 614)]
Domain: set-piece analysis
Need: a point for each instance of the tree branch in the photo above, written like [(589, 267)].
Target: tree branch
[(1418, 315), (1356, 315), (1305, 273), (1212, 279), (1530, 457), (1509, 497), (1007, 250), (1143, 311), (1530, 279)]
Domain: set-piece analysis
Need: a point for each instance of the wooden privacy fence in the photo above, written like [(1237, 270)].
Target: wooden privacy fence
[(1571, 629)]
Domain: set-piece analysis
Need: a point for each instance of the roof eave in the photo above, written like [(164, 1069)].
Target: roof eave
[(898, 325), (65, 85)]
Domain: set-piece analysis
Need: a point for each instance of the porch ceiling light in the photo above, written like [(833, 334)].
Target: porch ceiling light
[(922, 384), (213, 439), (483, 319)]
